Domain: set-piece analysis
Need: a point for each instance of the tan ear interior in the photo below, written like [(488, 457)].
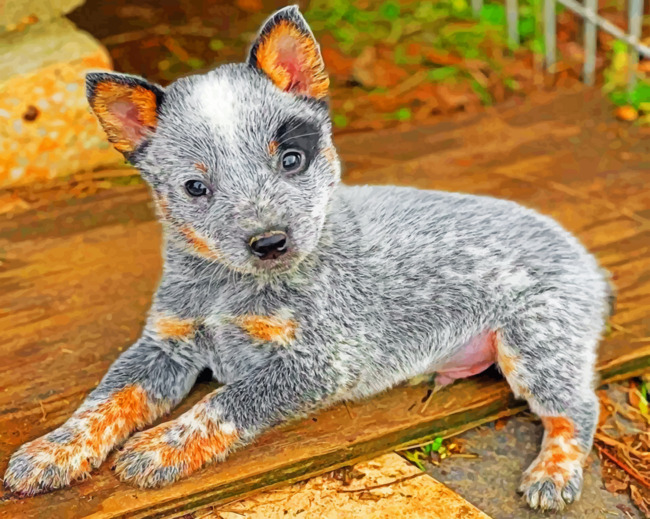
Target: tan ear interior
[(291, 59), (127, 113)]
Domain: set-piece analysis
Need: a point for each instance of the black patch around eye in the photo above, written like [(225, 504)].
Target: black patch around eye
[(299, 134)]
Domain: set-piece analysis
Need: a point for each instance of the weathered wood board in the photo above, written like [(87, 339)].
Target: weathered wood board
[(76, 279), (384, 487)]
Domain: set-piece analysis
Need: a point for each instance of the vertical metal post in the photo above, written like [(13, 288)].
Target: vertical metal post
[(590, 29), (512, 10), (635, 17), (549, 34), (477, 5)]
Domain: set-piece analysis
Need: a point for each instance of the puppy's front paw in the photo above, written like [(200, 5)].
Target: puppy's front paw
[(169, 451), (45, 464)]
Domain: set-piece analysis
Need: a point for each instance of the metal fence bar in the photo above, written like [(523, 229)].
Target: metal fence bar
[(589, 70), (512, 10), (477, 5), (606, 26), (549, 33), (635, 17)]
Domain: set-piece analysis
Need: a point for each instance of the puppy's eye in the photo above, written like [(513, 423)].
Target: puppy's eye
[(196, 188), (292, 160)]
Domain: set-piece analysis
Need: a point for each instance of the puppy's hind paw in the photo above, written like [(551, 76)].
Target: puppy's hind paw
[(545, 492)]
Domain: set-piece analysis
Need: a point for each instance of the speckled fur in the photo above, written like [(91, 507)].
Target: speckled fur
[(381, 284)]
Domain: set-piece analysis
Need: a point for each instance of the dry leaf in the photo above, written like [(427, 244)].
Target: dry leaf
[(627, 113)]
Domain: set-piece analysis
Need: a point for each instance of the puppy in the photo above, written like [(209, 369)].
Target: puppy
[(298, 292)]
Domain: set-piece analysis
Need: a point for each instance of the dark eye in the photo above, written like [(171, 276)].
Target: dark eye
[(196, 188), (292, 160)]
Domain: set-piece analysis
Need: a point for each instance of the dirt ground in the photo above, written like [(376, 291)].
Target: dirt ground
[(504, 451)]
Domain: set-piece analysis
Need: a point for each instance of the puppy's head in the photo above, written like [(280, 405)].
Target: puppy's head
[(240, 159)]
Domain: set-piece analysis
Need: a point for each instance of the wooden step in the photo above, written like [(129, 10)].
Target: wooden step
[(77, 274)]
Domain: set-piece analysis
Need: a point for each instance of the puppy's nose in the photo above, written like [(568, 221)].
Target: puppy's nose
[(270, 245)]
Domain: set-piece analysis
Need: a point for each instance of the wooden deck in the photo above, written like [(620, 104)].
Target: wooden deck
[(76, 279)]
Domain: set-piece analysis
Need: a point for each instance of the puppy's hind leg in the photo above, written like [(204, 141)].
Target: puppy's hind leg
[(553, 369)]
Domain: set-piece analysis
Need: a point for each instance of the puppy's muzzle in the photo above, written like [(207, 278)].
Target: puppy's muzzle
[(270, 245)]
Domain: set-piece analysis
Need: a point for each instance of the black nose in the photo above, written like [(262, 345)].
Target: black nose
[(270, 245)]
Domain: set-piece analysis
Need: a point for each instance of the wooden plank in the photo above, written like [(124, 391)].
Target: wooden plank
[(388, 486), (76, 280)]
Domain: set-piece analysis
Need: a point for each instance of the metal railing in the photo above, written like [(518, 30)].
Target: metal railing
[(588, 11)]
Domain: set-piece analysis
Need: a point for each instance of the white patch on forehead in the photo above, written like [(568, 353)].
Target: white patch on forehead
[(219, 105)]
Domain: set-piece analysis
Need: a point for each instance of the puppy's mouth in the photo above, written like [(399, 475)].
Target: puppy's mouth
[(282, 263)]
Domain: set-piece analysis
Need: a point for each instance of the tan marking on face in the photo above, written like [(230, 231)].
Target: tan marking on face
[(330, 154), (290, 58), (168, 327), (201, 167), (108, 95), (268, 329), (162, 207), (273, 147), (199, 244)]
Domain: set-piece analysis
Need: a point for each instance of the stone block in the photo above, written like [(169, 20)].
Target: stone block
[(46, 127)]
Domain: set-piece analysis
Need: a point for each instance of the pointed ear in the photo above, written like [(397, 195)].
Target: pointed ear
[(126, 106), (287, 52)]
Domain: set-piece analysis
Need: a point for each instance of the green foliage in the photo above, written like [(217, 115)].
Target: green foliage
[(216, 45), (403, 114), (419, 455), (443, 73), (339, 120), (482, 92), (616, 80), (643, 401), (390, 10), (493, 14)]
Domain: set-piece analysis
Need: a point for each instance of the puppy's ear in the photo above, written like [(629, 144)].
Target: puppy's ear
[(126, 106), (287, 52)]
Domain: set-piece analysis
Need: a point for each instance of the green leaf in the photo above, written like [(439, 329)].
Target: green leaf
[(403, 114), (494, 14), (526, 27), (390, 10), (436, 444), (340, 120), (196, 63), (482, 92), (442, 73), (216, 45), (640, 94)]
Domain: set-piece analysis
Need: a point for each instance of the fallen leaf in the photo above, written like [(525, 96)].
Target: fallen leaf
[(627, 113)]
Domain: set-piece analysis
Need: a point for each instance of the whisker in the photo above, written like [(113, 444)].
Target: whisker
[(299, 136)]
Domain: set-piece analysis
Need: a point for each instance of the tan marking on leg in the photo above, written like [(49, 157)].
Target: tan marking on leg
[(169, 327), (93, 433), (558, 426), (184, 444), (560, 455), (268, 329), (508, 362)]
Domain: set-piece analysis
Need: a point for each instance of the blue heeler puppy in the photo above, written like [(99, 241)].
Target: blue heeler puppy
[(298, 292)]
